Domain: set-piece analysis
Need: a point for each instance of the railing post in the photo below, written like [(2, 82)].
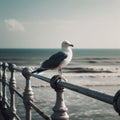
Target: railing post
[(0, 81), (28, 93), (60, 109), (4, 80), (12, 84), (116, 102)]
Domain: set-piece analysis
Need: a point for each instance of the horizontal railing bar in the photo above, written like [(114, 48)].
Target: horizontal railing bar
[(88, 92), (91, 93), (18, 93), (15, 90), (18, 118), (41, 77), (8, 106), (39, 111), (18, 69), (7, 83)]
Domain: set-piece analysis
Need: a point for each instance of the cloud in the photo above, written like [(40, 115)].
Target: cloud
[(14, 25)]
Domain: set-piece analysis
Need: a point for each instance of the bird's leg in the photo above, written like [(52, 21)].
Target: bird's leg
[(60, 73)]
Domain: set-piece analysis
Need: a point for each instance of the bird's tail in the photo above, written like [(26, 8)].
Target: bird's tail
[(38, 70)]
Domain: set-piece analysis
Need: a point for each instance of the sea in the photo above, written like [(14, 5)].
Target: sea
[(96, 69)]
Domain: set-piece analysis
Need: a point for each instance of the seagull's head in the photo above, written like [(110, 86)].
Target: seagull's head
[(66, 44)]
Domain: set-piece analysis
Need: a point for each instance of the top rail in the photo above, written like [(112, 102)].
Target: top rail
[(41, 77), (85, 91), (88, 92)]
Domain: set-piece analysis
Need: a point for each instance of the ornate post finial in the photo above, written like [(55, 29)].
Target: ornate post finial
[(11, 67), (4, 65), (60, 109), (28, 93), (116, 102)]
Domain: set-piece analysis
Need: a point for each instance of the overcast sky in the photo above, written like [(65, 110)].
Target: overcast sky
[(46, 23)]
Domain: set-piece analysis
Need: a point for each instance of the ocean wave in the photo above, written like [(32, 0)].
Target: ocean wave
[(95, 70), (86, 70)]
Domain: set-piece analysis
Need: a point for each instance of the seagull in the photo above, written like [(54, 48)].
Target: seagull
[(58, 60)]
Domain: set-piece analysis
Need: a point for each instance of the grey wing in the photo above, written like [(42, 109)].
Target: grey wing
[(54, 61)]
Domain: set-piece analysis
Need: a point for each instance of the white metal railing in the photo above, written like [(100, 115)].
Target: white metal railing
[(59, 109)]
